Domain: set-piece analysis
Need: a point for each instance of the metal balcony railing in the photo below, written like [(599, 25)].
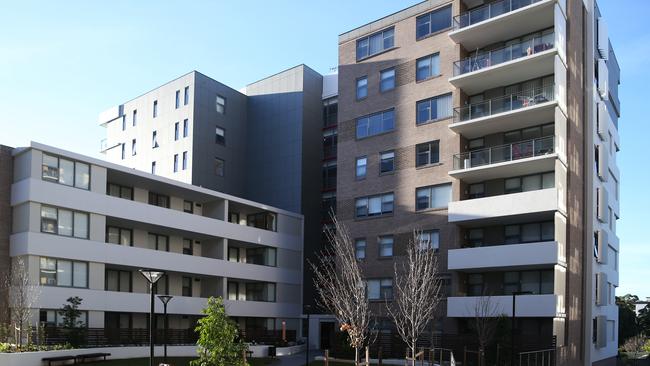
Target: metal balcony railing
[(508, 53), (505, 103), (489, 11), (502, 153)]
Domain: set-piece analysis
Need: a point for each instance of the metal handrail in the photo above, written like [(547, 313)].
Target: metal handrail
[(545, 357), (489, 11), (503, 153), (505, 103), (505, 54)]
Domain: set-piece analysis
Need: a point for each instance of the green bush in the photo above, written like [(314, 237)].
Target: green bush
[(5, 348)]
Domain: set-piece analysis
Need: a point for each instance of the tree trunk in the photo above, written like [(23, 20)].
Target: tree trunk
[(356, 356), (413, 349)]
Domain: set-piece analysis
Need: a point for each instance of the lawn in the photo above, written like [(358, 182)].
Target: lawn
[(175, 361)]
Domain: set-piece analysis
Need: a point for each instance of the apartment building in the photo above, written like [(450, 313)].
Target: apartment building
[(84, 227), (491, 129)]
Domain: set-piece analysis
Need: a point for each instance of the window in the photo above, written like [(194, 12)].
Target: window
[(233, 217), (433, 196), (427, 153), (360, 248), (123, 122), (159, 200), (134, 119), (475, 285), (476, 190), (375, 43), (220, 136), (329, 172), (66, 172), (330, 111), (374, 205), (257, 291), (219, 167), (433, 109), (177, 102), (133, 147), (153, 167), (386, 246), (427, 67), (52, 318), (530, 232), (262, 256), (186, 95), (429, 239), (330, 141), (433, 22), (64, 273), (387, 80), (233, 290), (64, 222), (119, 236), (536, 282), (175, 163), (119, 191), (188, 207), (529, 183), (380, 289), (161, 287), (187, 286), (154, 140), (328, 205), (386, 162), (184, 160), (118, 280), (375, 124), (176, 131), (221, 104), (155, 108), (123, 151), (262, 220), (186, 127), (362, 88), (362, 165), (475, 238), (233, 254), (158, 242)]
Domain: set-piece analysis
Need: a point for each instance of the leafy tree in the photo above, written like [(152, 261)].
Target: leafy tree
[(644, 320), (627, 321), (72, 326), (219, 343)]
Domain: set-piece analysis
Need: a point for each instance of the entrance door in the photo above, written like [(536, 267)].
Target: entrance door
[(326, 335)]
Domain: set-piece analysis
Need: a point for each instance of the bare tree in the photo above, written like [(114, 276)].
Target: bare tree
[(416, 291), (341, 289), (486, 319), (23, 295)]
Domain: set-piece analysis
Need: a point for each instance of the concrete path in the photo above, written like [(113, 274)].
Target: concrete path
[(296, 360)]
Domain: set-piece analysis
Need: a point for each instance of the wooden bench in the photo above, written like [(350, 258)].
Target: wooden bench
[(49, 360), (82, 358)]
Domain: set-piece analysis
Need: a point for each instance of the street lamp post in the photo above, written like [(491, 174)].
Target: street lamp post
[(307, 311), (512, 328), (165, 299), (152, 276)]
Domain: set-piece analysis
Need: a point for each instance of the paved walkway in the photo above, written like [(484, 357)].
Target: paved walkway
[(296, 360)]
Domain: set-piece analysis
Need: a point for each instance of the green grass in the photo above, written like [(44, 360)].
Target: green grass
[(175, 361)]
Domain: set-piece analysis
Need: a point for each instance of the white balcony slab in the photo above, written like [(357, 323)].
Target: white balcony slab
[(99, 300), (506, 169), (512, 256), (525, 20), (41, 244), (527, 306), (510, 72), (532, 203), (506, 121)]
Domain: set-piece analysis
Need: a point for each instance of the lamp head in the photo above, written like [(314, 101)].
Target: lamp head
[(165, 298), (151, 275)]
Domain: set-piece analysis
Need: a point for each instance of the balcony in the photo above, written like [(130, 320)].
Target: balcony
[(498, 20), (524, 60), (520, 158), (527, 306), (513, 256), (532, 204), (509, 112)]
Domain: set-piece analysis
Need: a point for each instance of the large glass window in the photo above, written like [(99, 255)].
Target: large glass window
[(233, 290), (67, 172), (374, 205), (120, 191), (117, 280), (375, 43), (429, 239), (158, 199), (535, 282), (262, 256), (387, 80), (330, 111), (64, 222), (65, 273), (433, 196), (529, 182), (362, 87), (260, 292), (386, 246), (427, 67), (187, 286), (433, 22), (380, 289), (530, 232), (434, 109), (158, 242), (427, 153), (475, 285), (386, 162), (329, 172), (375, 124), (262, 220), (120, 236)]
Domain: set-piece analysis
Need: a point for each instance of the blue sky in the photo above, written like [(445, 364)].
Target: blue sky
[(61, 63)]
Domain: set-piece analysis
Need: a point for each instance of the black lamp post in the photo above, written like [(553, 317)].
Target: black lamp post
[(512, 328), (152, 277), (307, 311), (165, 299)]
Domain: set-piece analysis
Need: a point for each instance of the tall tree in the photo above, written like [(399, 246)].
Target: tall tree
[(485, 322), (341, 288), (416, 291), (628, 323), (219, 343), (644, 320), (23, 297), (70, 314)]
